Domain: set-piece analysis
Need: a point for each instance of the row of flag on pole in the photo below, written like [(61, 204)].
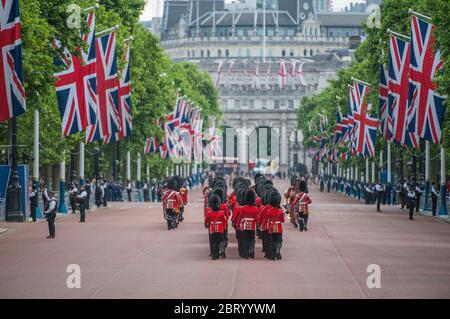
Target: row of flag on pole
[(92, 96), (289, 73), (183, 137), (409, 105)]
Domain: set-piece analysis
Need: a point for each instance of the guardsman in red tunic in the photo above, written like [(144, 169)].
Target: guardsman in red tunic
[(262, 226), (274, 219), (171, 201), (246, 221), (216, 222), (302, 201)]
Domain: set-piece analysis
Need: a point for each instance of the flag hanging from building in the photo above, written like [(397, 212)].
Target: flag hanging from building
[(282, 74), (300, 75), (76, 85), (12, 91), (427, 106)]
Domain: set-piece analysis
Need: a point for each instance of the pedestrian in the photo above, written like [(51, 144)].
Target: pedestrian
[(322, 185), (50, 214), (33, 202), (98, 195), (379, 194), (387, 193), (129, 188), (81, 199), (434, 198), (411, 198), (274, 219), (216, 222), (146, 192), (104, 194), (73, 192)]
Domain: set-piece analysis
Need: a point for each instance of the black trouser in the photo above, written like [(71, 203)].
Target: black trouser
[(104, 201), (73, 204), (82, 211), (433, 205), (51, 223), (33, 211), (98, 200), (275, 243), (87, 202), (417, 203), (129, 194), (379, 198), (170, 214), (215, 240), (265, 244), (411, 210), (247, 243), (302, 221), (402, 200)]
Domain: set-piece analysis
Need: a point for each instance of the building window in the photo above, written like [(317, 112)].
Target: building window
[(219, 53), (202, 53), (291, 104), (208, 53), (311, 52), (264, 104), (225, 104), (237, 104), (305, 53), (193, 53), (291, 53), (189, 53), (283, 53), (251, 104), (227, 53), (276, 104), (249, 54)]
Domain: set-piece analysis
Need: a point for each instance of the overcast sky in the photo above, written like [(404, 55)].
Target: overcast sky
[(151, 9)]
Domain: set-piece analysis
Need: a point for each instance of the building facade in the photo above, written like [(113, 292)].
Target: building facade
[(263, 62)]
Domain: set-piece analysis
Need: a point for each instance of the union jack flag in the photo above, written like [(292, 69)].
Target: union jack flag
[(108, 87), (300, 76), (427, 107), (125, 97), (399, 55), (151, 146), (366, 126), (383, 96), (76, 85), (12, 91)]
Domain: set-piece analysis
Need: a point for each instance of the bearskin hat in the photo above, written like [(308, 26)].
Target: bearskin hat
[(172, 184), (303, 186), (221, 193), (266, 195), (214, 202), (294, 180), (249, 197), (274, 198)]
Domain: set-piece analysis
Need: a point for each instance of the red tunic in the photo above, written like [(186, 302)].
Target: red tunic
[(172, 200), (302, 200), (215, 221), (275, 220), (184, 196), (232, 201), (247, 217), (262, 220), (224, 207)]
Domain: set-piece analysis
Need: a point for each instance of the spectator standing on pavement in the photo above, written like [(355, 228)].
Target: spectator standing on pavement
[(434, 198), (411, 200), (33, 202), (379, 193), (129, 188)]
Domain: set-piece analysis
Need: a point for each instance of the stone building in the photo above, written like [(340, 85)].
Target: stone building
[(263, 62)]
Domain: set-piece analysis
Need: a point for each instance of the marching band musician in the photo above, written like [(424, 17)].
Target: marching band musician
[(216, 222), (246, 220)]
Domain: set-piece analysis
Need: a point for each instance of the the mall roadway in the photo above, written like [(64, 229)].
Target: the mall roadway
[(126, 252)]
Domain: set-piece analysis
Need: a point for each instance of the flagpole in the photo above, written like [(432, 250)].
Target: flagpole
[(389, 173), (138, 178), (36, 160), (128, 166), (381, 165), (62, 186), (101, 33), (82, 155), (367, 170), (427, 176), (410, 11), (443, 205), (373, 171), (360, 81), (405, 37)]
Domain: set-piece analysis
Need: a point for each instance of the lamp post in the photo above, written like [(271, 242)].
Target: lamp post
[(13, 209)]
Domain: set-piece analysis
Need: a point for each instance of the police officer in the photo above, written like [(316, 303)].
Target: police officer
[(411, 199), (33, 203), (73, 197), (81, 199), (50, 214), (434, 198), (45, 198), (379, 194), (419, 193), (88, 189)]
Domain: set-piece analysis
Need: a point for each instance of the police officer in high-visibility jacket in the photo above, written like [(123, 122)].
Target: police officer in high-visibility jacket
[(50, 214)]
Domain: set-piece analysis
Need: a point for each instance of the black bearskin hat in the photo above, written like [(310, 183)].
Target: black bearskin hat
[(172, 184), (249, 197), (303, 186), (214, 202), (274, 198), (221, 193), (294, 180)]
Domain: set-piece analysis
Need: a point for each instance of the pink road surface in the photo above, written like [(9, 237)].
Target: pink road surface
[(125, 251)]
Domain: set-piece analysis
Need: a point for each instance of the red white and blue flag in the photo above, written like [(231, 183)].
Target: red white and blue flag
[(151, 146), (125, 97), (366, 126), (427, 106), (108, 119), (76, 85), (383, 96), (12, 91)]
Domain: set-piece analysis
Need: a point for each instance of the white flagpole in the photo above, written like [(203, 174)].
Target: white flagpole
[(82, 156), (367, 170), (36, 159), (427, 175), (389, 176), (443, 204), (128, 166)]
